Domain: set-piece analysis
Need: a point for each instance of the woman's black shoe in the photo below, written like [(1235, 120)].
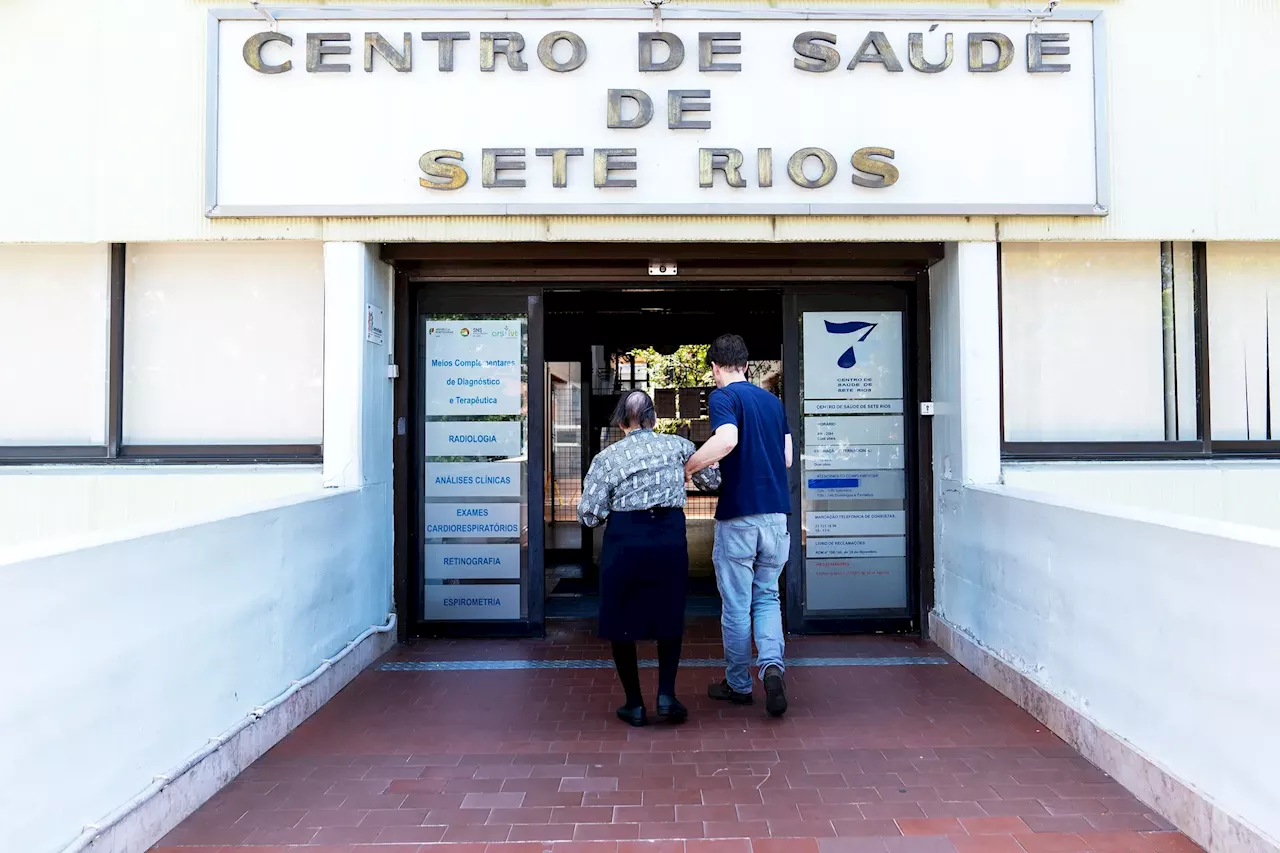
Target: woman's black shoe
[(633, 715), (670, 710)]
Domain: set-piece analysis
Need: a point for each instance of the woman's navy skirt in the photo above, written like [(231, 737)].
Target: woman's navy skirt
[(644, 575)]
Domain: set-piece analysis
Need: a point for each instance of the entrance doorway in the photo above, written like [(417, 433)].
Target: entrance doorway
[(513, 365), (603, 343)]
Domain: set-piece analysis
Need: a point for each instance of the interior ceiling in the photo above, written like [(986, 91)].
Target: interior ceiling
[(625, 320)]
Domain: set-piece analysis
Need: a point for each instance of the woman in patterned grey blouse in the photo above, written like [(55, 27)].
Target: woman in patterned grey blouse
[(638, 485)]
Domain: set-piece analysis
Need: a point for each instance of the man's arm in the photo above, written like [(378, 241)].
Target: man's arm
[(720, 445), (786, 447)]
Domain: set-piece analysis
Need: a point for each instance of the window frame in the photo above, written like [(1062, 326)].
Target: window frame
[(1202, 447), (115, 451)]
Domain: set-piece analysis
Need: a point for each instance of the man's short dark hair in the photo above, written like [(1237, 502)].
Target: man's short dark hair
[(729, 351), (634, 409)]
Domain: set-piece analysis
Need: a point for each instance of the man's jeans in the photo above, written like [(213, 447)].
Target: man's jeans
[(749, 554)]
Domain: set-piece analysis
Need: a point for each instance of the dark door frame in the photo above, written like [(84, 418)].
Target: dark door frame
[(491, 269)]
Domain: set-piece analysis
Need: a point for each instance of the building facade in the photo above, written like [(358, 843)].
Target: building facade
[(309, 316)]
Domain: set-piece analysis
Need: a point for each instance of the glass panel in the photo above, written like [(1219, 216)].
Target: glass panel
[(1098, 342), (54, 386), (564, 398), (476, 513), (224, 343), (1244, 371), (853, 462)]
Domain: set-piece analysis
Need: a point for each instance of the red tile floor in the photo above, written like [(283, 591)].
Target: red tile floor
[(874, 758)]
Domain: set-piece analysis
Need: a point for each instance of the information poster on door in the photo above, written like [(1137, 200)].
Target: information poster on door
[(475, 432), (473, 367), (852, 355), (853, 462)]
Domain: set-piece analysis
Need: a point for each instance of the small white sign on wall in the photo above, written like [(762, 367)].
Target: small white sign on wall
[(374, 324)]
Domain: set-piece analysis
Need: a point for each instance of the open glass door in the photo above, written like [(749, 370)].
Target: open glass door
[(480, 490), (854, 560)]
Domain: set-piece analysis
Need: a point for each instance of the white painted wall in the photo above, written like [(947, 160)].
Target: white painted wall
[(131, 655), (51, 508), (1243, 492), (142, 178), (1160, 628), (964, 309), (224, 343), (53, 343), (178, 627)]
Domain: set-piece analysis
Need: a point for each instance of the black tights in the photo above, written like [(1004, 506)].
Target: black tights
[(624, 657)]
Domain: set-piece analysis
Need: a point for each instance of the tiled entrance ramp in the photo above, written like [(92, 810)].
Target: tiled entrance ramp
[(511, 747)]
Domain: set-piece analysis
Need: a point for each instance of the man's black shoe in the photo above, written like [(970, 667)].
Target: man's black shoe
[(724, 693), (670, 710), (775, 692)]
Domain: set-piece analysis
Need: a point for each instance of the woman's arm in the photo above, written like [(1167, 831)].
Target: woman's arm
[(593, 507)]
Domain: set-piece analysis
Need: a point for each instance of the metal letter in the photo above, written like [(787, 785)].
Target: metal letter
[(887, 173), (613, 113), (677, 106), (446, 46), (727, 160), (253, 52), (1038, 48), (915, 54), (604, 164), (399, 61), (559, 163), (764, 164), (490, 166), (675, 51), (977, 62), (883, 52), (708, 50), (819, 48), (317, 50), (547, 47), (795, 168), (508, 44), (432, 165)]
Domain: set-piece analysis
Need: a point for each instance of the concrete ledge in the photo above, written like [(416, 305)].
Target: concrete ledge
[(156, 817), (1176, 801)]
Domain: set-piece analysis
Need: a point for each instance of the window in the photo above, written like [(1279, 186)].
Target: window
[(53, 345), (224, 344), (1244, 362), (1098, 342)]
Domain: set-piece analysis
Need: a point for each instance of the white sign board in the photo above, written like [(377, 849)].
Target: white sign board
[(855, 485), (472, 479), (473, 520), (829, 457), (860, 523), (375, 324), (474, 438), (863, 546), (853, 355), (473, 367), (465, 602), (388, 113), (849, 430), (472, 562), (856, 584)]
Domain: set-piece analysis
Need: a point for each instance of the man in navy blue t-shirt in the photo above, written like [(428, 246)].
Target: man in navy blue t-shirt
[(752, 443)]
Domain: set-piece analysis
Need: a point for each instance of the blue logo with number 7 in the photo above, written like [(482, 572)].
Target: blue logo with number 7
[(848, 358)]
